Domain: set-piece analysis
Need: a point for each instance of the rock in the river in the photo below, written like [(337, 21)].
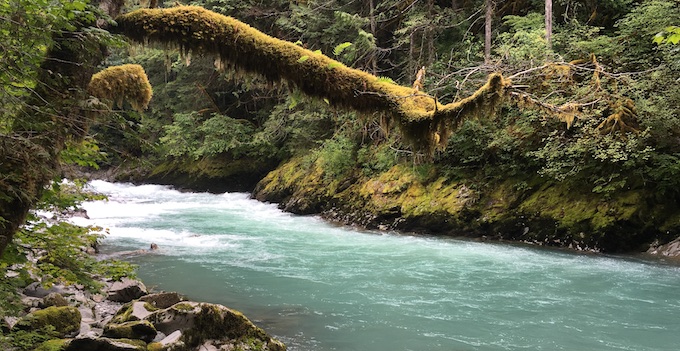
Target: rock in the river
[(671, 250), (65, 320), (126, 290)]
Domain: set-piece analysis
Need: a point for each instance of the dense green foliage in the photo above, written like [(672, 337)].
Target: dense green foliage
[(199, 113), (61, 249)]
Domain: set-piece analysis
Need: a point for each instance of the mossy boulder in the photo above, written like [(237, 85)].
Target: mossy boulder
[(65, 321), (142, 330), (53, 299), (203, 322)]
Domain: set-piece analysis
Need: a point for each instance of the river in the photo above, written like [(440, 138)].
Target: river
[(321, 287)]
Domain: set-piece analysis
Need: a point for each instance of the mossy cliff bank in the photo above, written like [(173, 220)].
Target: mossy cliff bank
[(420, 199)]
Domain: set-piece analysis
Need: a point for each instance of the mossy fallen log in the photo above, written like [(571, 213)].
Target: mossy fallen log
[(424, 122)]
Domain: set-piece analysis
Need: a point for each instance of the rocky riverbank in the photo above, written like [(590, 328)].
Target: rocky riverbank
[(124, 316), (519, 210)]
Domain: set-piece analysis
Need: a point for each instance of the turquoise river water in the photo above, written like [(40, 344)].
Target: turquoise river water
[(316, 286)]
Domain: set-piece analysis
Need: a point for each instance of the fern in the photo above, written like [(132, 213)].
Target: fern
[(340, 48)]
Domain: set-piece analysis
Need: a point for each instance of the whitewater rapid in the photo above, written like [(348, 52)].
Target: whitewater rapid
[(322, 287)]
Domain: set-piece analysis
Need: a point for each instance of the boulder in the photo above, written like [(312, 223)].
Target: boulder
[(36, 289), (105, 344), (670, 250), (162, 300), (126, 290), (133, 311), (53, 299), (142, 330), (201, 323), (65, 320)]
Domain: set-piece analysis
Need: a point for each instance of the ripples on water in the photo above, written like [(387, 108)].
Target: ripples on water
[(321, 287)]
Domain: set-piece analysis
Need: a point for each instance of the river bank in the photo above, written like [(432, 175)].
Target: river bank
[(52, 305)]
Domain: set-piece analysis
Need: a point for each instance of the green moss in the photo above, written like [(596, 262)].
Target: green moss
[(65, 320), (149, 307), (155, 346), (53, 345), (183, 307), (123, 314), (423, 121), (122, 83), (221, 323), (143, 330)]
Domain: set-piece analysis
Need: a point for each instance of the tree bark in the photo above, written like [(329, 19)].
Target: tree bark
[(487, 31), (548, 23)]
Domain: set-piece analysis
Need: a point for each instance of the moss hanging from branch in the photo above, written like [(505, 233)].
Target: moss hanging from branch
[(423, 121), (122, 83)]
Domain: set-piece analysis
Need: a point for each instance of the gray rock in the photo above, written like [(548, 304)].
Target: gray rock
[(173, 338), (126, 290), (35, 289), (8, 323), (53, 299), (162, 300), (159, 336), (30, 302), (105, 344), (208, 346), (104, 311), (139, 310), (670, 250)]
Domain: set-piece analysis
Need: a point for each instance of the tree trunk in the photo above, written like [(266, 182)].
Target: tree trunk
[(548, 23), (374, 31), (487, 31)]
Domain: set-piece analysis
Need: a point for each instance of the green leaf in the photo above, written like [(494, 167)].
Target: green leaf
[(340, 48), (333, 65), (303, 59)]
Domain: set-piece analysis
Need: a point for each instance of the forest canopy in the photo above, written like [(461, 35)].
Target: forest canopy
[(586, 97)]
